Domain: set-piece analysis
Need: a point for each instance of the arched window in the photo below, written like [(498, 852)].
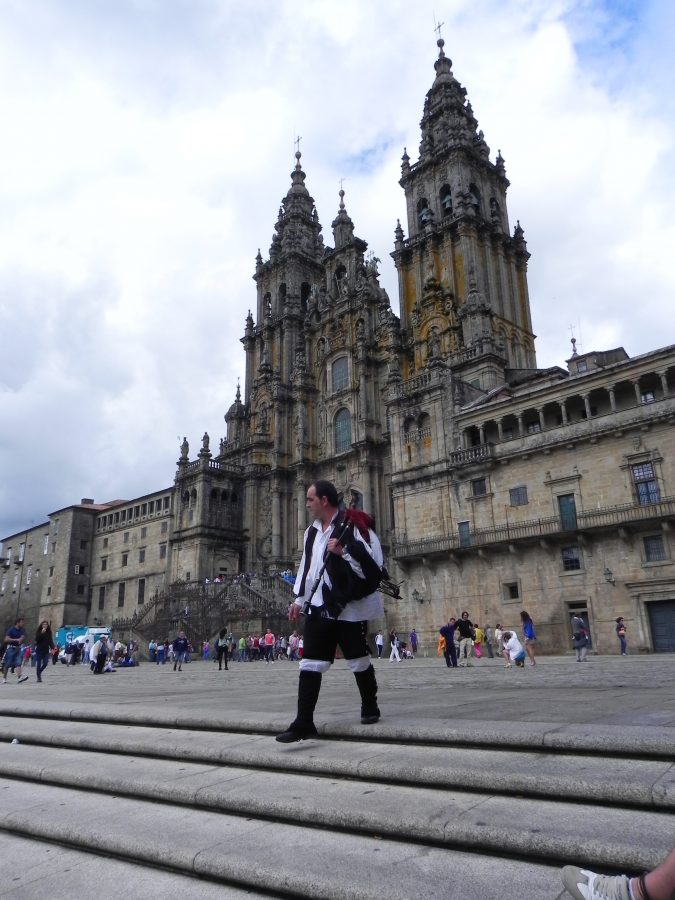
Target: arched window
[(423, 212), (343, 431), (477, 204), (425, 438), (305, 291), (445, 198), (340, 374)]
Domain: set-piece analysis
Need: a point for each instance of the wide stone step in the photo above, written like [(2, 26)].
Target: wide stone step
[(254, 854), (454, 816), (44, 869), (654, 742), (625, 782)]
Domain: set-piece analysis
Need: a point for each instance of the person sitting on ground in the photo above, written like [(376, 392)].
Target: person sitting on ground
[(513, 650), (659, 884)]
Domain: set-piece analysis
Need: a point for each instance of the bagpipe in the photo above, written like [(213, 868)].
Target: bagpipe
[(348, 586)]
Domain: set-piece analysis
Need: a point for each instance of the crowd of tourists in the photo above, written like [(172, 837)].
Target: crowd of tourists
[(461, 641)]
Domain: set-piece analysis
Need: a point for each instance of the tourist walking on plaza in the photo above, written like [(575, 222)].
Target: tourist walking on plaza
[(478, 635), (44, 644), (621, 634), (529, 635), (13, 653), (499, 633), (222, 648), (379, 644), (268, 645), (448, 635), (465, 630), (413, 641), (579, 638), (181, 647), (338, 549), (394, 644)]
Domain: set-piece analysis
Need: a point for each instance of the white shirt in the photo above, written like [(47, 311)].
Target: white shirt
[(513, 645), (369, 607)]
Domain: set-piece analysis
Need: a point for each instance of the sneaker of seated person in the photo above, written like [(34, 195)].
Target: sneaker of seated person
[(585, 885)]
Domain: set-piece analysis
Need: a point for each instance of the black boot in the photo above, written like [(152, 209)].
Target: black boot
[(367, 684), (303, 727)]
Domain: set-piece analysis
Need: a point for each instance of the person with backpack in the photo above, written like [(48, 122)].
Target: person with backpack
[(337, 589)]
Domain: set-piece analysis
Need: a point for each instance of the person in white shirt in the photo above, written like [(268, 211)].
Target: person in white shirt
[(379, 644), (336, 588), (513, 650)]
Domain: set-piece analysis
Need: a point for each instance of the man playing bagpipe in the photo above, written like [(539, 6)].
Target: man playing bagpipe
[(337, 589)]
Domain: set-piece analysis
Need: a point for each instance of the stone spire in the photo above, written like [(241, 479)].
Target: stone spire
[(343, 227), (297, 227), (448, 121)]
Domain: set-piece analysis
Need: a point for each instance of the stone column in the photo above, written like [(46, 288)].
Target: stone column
[(638, 393), (481, 433), (276, 523), (300, 494), (520, 424), (612, 399), (563, 412), (587, 405), (500, 430), (664, 384), (542, 423)]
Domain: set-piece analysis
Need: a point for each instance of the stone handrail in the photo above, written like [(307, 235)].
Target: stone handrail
[(535, 528), (470, 455)]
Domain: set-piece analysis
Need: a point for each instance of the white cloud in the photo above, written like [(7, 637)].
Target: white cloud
[(146, 147)]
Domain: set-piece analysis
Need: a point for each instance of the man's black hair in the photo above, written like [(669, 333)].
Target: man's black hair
[(328, 490)]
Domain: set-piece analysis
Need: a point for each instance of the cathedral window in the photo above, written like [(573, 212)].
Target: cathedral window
[(120, 594), (479, 487), (423, 212), (518, 496), (343, 431), (305, 291), (445, 197), (655, 550), (475, 199), (571, 559), (340, 374), (646, 485)]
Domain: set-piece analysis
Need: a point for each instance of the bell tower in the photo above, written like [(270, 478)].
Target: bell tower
[(462, 275)]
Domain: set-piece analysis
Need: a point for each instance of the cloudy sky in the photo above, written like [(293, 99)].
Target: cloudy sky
[(146, 146)]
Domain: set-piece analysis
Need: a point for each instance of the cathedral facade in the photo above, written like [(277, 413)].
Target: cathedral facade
[(497, 486)]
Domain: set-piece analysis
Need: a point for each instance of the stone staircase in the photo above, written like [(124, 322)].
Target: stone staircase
[(361, 813)]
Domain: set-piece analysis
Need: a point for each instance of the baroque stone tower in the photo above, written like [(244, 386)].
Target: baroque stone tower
[(462, 277), (316, 364), (336, 385)]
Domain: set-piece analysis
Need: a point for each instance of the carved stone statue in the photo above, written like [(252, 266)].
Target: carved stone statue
[(184, 449), (205, 442)]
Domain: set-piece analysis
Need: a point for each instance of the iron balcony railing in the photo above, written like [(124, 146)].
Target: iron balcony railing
[(608, 516)]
